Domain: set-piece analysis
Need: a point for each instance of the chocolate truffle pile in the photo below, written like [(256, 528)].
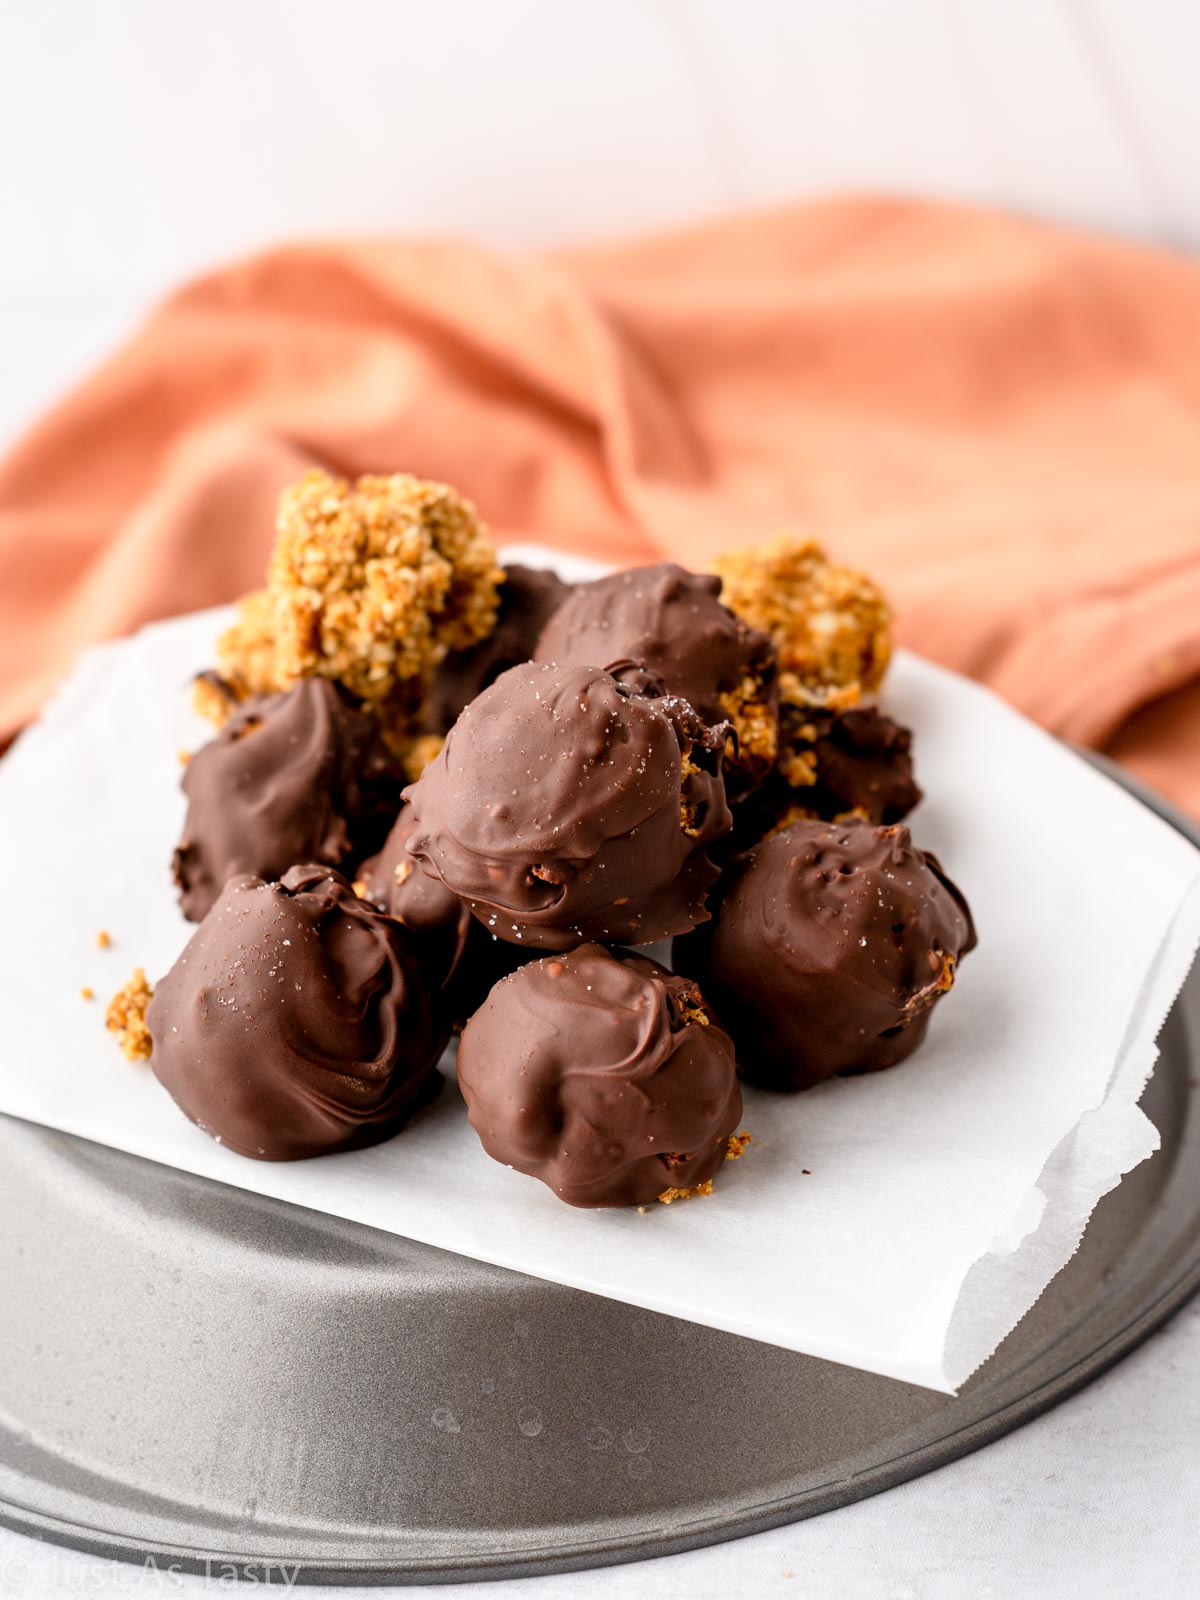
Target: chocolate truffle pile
[(655, 755)]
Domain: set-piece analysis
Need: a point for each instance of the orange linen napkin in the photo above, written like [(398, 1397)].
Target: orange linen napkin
[(999, 420)]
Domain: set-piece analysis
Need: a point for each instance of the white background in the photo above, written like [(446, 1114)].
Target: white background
[(144, 139), (141, 140)]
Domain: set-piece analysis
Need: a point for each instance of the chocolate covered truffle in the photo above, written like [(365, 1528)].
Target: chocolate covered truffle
[(297, 1020), (861, 763), (672, 622), (834, 764), (567, 806), (602, 1074), (394, 882), (301, 776), (529, 597), (829, 951)]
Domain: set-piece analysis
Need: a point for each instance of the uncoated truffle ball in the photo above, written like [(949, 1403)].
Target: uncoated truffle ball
[(297, 1021), (370, 584), (602, 1074), (567, 806), (296, 777), (829, 951)]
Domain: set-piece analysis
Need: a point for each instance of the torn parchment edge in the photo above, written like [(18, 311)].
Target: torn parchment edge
[(1107, 1142)]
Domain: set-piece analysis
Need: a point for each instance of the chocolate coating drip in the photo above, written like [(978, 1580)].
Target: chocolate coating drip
[(603, 1075), (395, 883), (296, 1021), (564, 807), (529, 597), (668, 619), (300, 776), (829, 951)]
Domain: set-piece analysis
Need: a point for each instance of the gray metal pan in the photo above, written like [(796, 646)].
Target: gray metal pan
[(205, 1376)]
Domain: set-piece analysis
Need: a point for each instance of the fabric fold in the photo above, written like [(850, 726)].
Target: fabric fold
[(998, 419)]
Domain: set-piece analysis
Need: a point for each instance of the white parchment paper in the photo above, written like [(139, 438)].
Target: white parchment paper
[(939, 1199)]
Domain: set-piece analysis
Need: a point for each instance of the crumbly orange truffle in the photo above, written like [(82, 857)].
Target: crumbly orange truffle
[(125, 1017), (831, 626), (370, 583), (249, 654)]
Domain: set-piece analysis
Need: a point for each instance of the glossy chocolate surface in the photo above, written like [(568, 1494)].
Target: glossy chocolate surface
[(395, 883), (566, 807), (668, 619), (829, 951), (602, 1074), (297, 1021)]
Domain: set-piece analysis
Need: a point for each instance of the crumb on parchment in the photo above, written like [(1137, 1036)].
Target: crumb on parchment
[(669, 1196), (125, 1017), (735, 1146), (87, 992), (103, 939)]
